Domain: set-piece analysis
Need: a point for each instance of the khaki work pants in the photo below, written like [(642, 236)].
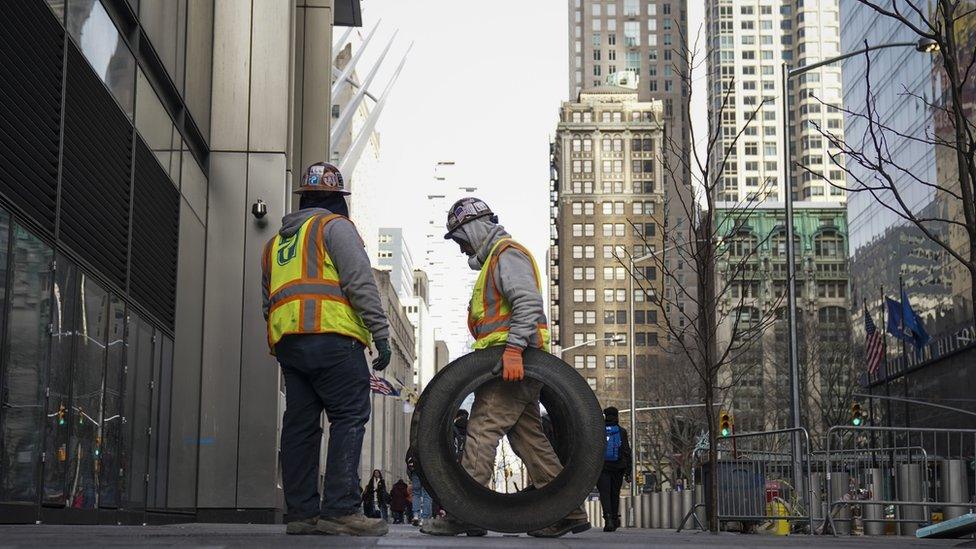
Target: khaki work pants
[(512, 408)]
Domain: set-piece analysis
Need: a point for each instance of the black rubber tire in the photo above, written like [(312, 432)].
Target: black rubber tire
[(580, 439)]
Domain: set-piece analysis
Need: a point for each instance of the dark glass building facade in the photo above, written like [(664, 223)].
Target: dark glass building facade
[(888, 253), (96, 182)]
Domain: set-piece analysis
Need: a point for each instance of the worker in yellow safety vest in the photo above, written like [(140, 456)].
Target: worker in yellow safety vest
[(507, 309), (323, 310)]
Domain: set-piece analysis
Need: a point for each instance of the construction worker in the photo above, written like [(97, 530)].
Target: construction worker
[(506, 308), (323, 310)]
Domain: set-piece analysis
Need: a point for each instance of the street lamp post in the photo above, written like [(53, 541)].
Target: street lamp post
[(614, 339), (633, 368), (923, 45)]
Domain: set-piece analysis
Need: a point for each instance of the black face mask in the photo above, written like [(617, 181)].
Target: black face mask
[(466, 248), (334, 202)]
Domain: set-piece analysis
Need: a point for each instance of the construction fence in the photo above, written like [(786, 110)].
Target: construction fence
[(867, 480)]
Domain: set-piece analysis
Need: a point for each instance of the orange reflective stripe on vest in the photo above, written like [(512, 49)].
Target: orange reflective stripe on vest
[(490, 313), (305, 296)]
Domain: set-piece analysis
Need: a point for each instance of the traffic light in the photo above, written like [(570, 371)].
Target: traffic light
[(725, 425), (857, 415)]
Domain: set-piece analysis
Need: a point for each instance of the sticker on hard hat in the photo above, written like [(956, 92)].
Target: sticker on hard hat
[(480, 207), (331, 180)]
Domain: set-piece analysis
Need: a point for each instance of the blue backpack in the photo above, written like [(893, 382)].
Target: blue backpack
[(612, 452)]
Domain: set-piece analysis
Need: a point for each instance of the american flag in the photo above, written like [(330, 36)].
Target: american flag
[(874, 345), (382, 386)]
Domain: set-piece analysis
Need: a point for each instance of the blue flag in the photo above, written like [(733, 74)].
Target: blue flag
[(904, 323), (913, 323), (894, 319)]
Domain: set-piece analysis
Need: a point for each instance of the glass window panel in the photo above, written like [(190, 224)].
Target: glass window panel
[(138, 374), (87, 374), (64, 324), (110, 456), (57, 6), (159, 461), (156, 127), (193, 184), (99, 40), (22, 398)]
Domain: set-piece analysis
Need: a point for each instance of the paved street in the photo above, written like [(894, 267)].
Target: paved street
[(251, 535)]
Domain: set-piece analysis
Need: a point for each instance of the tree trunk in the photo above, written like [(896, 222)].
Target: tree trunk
[(708, 332)]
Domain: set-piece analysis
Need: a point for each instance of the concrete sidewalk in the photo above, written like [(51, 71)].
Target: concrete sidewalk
[(260, 535)]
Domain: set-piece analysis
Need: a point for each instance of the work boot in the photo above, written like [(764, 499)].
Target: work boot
[(563, 527), (449, 526), (302, 527), (352, 525)]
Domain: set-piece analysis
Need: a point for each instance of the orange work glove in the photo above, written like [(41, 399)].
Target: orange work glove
[(512, 368)]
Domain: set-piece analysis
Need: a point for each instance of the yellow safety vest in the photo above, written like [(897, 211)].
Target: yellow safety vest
[(490, 313), (305, 297)]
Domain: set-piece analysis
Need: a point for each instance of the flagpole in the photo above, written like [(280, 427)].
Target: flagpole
[(884, 356), (887, 368), (874, 458), (904, 347)]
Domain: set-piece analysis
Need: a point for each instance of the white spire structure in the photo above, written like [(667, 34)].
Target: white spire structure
[(345, 117), (343, 77), (348, 162)]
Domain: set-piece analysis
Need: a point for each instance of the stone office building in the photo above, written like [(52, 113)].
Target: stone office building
[(607, 205)]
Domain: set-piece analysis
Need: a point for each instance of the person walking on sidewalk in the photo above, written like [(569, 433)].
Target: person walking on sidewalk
[(323, 310), (616, 468), (375, 497), (398, 500), (506, 309), (421, 499)]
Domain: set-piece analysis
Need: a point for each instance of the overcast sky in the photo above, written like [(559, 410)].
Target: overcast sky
[(482, 87)]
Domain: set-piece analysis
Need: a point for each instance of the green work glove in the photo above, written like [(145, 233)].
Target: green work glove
[(383, 354)]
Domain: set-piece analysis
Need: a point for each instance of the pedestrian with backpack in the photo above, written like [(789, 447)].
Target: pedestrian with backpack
[(616, 469)]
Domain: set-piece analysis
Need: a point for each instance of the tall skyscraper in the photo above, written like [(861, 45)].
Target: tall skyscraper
[(451, 281), (607, 205), (749, 40), (643, 39)]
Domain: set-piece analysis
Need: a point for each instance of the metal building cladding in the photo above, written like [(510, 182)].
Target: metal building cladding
[(135, 382)]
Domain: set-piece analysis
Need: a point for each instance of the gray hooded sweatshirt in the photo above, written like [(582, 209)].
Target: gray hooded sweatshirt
[(355, 273), (515, 276)]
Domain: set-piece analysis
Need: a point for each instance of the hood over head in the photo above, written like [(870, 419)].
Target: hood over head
[(481, 234)]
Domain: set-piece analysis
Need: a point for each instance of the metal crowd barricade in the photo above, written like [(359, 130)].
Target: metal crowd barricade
[(913, 471), (757, 472)]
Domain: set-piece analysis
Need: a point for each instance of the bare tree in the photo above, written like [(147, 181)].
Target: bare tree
[(704, 336), (671, 436), (869, 160)]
